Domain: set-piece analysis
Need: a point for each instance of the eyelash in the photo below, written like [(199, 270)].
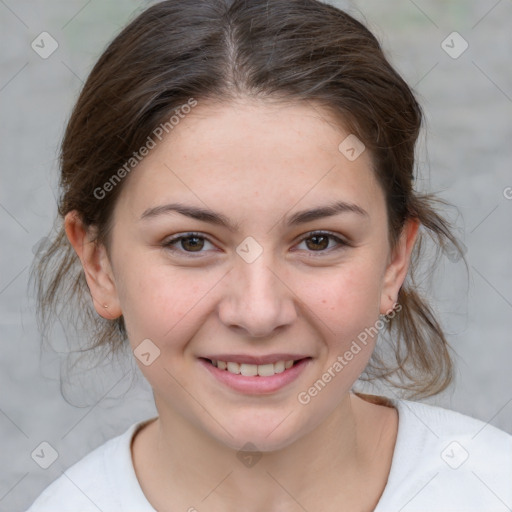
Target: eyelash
[(172, 241)]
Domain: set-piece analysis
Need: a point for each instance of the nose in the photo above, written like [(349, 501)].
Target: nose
[(257, 299)]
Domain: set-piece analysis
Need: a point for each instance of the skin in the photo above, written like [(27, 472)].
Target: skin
[(298, 296)]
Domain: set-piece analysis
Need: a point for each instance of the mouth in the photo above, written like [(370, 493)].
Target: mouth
[(254, 370), (256, 379)]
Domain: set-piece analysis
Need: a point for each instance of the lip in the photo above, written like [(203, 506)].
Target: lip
[(256, 385), (247, 359)]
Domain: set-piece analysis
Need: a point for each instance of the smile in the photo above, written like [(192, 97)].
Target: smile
[(255, 379), (251, 370)]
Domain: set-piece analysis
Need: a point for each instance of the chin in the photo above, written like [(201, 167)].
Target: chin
[(262, 432)]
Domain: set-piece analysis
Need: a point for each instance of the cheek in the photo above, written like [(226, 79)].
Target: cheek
[(346, 300), (160, 303)]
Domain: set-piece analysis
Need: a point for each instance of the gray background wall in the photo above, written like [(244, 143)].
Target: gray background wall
[(465, 154)]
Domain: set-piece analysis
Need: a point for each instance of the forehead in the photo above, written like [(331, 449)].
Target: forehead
[(254, 154)]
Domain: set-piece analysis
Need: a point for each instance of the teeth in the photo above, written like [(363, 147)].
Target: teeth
[(233, 368), (279, 366), (251, 370), (265, 370)]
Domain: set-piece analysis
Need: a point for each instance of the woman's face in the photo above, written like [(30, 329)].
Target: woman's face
[(256, 281)]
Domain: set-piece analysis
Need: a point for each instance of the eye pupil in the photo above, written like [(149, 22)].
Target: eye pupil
[(197, 243), (324, 239)]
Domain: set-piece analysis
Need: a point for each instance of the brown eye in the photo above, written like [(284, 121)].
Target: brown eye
[(192, 243), (187, 244), (319, 242)]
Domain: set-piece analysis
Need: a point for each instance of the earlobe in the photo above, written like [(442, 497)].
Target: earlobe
[(96, 265), (398, 266)]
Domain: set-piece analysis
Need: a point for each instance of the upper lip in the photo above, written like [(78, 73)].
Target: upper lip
[(247, 359)]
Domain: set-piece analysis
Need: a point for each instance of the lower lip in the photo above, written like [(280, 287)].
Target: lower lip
[(257, 385)]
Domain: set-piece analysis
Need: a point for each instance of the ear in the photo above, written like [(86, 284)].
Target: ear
[(96, 264), (398, 265)]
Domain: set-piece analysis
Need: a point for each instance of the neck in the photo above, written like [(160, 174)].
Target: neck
[(197, 471)]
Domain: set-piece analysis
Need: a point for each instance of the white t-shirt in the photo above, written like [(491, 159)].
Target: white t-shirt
[(443, 461)]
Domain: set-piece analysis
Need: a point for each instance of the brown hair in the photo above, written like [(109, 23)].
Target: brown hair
[(222, 50)]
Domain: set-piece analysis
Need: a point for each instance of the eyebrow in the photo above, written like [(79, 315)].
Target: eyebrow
[(219, 219)]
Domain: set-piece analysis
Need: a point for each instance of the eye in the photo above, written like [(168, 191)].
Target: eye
[(189, 243), (194, 243), (319, 241)]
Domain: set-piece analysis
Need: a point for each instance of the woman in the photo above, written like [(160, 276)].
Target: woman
[(238, 207)]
